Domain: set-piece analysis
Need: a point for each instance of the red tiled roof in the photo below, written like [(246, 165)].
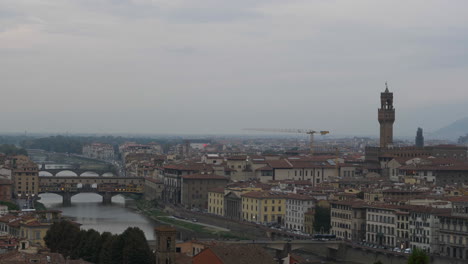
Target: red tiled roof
[(279, 164), (458, 199), (188, 166), (265, 168), (153, 180), (217, 190), (200, 176), (303, 197), (264, 194)]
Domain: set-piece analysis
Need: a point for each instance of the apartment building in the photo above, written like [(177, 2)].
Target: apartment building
[(25, 174), (424, 227), (240, 168), (402, 231), (348, 220), (172, 178), (296, 169), (264, 207), (381, 223), (453, 233), (216, 201), (309, 219), (194, 189), (296, 207), (99, 151)]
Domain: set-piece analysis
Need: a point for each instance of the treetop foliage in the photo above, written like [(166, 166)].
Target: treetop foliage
[(418, 256), (322, 219), (130, 247), (12, 150), (74, 144)]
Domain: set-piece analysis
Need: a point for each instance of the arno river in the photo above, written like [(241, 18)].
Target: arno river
[(88, 210)]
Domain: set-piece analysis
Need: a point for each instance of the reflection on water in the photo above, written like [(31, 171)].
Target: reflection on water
[(88, 210)]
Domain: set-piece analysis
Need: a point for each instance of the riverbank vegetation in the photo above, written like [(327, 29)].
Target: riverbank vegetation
[(130, 247), (12, 150), (149, 209), (11, 206), (74, 144), (39, 206), (418, 256)]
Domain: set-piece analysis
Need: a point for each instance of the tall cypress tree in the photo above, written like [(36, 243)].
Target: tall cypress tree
[(136, 249), (63, 237)]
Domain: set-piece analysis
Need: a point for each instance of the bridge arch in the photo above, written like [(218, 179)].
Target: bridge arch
[(89, 174), (45, 174), (66, 173), (108, 174)]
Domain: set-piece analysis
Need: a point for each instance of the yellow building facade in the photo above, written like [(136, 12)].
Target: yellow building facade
[(309, 218), (263, 207), (25, 176), (216, 201)]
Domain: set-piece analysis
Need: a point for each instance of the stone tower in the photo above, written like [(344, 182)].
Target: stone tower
[(419, 138), (386, 118), (165, 244)]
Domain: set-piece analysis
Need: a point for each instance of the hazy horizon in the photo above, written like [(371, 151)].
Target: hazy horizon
[(216, 67)]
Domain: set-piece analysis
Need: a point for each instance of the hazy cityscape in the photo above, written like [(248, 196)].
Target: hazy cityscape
[(242, 132)]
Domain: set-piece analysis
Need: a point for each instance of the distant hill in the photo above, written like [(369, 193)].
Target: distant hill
[(453, 131)]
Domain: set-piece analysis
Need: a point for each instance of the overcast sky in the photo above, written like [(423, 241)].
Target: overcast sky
[(215, 66)]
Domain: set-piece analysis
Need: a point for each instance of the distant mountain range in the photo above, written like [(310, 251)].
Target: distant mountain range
[(453, 131)]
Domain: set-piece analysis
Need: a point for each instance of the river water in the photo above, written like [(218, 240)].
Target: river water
[(88, 210)]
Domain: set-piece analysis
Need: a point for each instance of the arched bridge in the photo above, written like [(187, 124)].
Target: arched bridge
[(78, 171), (107, 187), (295, 244)]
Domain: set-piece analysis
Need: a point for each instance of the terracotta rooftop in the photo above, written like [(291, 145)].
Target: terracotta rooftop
[(240, 254), (294, 196), (165, 228), (264, 194), (217, 190), (200, 176)]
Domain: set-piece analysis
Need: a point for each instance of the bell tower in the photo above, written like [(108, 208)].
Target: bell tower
[(386, 118), (165, 244)]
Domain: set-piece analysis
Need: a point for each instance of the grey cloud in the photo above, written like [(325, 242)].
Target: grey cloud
[(203, 66)]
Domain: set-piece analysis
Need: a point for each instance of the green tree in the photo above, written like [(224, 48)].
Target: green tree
[(136, 249), (418, 256), (12, 150), (11, 206), (322, 219), (63, 237), (130, 247), (105, 256), (90, 246)]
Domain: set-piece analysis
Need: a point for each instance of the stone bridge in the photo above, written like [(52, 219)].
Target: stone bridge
[(78, 171), (107, 187), (295, 244)]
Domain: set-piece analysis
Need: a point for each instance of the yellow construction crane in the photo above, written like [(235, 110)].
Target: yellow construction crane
[(290, 130)]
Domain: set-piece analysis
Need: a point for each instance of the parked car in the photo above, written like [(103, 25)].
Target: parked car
[(408, 251), (194, 220)]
